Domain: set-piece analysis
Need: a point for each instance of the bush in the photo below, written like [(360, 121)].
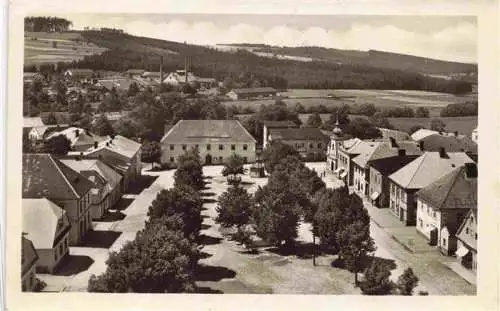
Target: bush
[(39, 285)]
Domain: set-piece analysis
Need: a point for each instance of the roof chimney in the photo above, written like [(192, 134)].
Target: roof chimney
[(456, 133), (107, 144), (96, 144), (401, 152), (393, 142), (470, 170), (77, 132), (442, 153), (421, 145)]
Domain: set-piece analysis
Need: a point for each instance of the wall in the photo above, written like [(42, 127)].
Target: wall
[(376, 185), (28, 280), (169, 155), (306, 146), (78, 211), (427, 217), (48, 259)]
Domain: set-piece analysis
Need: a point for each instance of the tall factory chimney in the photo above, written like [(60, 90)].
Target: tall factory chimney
[(161, 69)]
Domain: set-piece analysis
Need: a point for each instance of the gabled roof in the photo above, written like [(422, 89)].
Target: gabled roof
[(180, 77), (387, 166), (84, 137), (135, 71), (151, 74), (279, 124), (303, 133), (118, 144), (452, 191), (28, 255), (80, 72), (427, 168), (451, 143), (422, 133), (384, 150), (88, 165), (256, 90), (45, 176), (462, 235), (358, 146), (207, 131), (42, 220)]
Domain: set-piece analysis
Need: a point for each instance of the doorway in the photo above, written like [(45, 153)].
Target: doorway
[(208, 159)]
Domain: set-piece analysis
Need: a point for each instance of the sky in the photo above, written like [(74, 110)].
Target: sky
[(452, 38)]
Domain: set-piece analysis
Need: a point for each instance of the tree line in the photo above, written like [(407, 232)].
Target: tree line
[(143, 53), (295, 193), (46, 24), (460, 109), (163, 257)]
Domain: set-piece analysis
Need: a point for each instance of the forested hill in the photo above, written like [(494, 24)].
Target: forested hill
[(246, 69)]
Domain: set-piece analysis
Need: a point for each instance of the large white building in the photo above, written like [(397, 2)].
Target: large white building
[(216, 140)]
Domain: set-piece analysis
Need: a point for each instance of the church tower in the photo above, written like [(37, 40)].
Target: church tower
[(336, 140)]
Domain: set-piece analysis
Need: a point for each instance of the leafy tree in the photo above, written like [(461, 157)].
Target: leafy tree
[(128, 127), (51, 119), (363, 129), (314, 120), (234, 166), (379, 120), (277, 211), (180, 200), (189, 170), (60, 89), (151, 153), (437, 125), (460, 109), (299, 108), (59, 145), (407, 282), (377, 280), (133, 89), (367, 109), (276, 151), (422, 112), (102, 126), (235, 207)]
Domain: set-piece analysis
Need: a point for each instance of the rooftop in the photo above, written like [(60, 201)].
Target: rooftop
[(451, 143), (387, 166), (45, 176), (28, 255), (84, 166), (427, 168), (302, 133), (118, 144), (208, 131), (462, 235), (78, 136), (452, 191), (386, 149), (279, 124), (32, 122), (42, 220), (254, 90)]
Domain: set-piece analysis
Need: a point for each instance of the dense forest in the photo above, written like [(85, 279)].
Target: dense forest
[(46, 24), (460, 110), (251, 70)]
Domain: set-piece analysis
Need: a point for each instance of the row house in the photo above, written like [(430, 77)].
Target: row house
[(380, 170), (442, 206), (80, 75), (380, 150), (121, 154), (29, 257), (252, 93), (106, 183), (418, 174), (349, 149), (215, 140), (453, 142), (47, 225), (467, 241), (304, 140), (46, 177), (268, 125)]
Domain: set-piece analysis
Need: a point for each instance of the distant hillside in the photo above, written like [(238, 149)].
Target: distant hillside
[(374, 58), (245, 69)]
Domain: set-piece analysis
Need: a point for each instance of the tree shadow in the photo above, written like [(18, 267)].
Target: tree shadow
[(213, 273), (207, 194), (142, 182), (253, 251), (299, 249), (112, 216), (209, 240), (366, 262), (205, 227), (207, 290), (73, 264), (122, 204), (247, 183), (205, 255), (100, 239), (209, 201)]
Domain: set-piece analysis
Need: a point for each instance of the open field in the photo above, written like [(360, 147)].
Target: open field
[(39, 47), (463, 125), (381, 98)]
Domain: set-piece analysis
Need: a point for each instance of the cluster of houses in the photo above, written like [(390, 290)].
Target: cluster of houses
[(428, 180), (62, 195)]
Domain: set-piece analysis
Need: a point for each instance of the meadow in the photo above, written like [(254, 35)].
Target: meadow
[(42, 47)]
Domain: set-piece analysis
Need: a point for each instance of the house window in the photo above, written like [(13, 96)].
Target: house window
[(233, 147), (467, 230), (220, 159), (172, 147), (196, 147), (311, 146), (475, 236), (221, 147), (320, 145), (245, 147), (172, 159), (444, 242), (184, 147), (420, 222), (245, 159), (209, 147)]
